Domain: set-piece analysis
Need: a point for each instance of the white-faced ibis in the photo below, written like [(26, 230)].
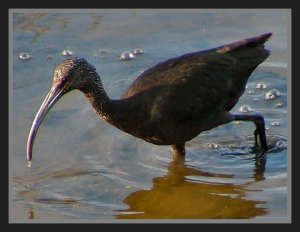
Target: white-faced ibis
[(172, 102)]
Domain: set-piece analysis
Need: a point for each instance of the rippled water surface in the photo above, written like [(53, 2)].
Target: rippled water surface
[(83, 168)]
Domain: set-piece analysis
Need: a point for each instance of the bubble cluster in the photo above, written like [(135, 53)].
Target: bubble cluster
[(275, 123), (260, 85), (214, 146), (127, 55), (245, 109), (67, 52), (272, 94)]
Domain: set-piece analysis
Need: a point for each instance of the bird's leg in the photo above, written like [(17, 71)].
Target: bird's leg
[(259, 122), (178, 151)]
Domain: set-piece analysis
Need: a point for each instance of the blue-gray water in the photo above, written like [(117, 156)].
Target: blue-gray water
[(83, 168)]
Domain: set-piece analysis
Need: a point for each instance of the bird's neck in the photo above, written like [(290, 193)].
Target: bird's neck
[(99, 99), (116, 112)]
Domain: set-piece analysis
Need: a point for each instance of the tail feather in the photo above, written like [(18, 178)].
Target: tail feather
[(250, 52), (250, 42)]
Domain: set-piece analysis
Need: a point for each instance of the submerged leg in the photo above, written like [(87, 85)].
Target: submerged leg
[(260, 128), (178, 151)]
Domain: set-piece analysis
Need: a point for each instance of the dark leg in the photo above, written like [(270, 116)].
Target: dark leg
[(260, 128), (178, 150)]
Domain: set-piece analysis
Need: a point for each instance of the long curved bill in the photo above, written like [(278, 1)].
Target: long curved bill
[(52, 97)]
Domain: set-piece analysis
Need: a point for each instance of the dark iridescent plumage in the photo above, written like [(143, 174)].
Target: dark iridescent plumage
[(173, 101)]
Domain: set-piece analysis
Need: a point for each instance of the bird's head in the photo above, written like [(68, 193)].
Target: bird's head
[(72, 73)]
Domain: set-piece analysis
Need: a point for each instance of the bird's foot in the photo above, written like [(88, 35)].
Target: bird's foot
[(259, 132)]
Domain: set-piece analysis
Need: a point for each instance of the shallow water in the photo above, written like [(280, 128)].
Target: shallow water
[(83, 168)]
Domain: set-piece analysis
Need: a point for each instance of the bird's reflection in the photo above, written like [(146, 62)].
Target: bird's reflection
[(260, 163), (186, 193)]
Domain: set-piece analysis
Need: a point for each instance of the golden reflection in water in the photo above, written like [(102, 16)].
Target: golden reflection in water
[(31, 214), (176, 196)]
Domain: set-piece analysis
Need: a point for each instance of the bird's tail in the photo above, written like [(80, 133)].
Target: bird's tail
[(251, 50), (250, 42)]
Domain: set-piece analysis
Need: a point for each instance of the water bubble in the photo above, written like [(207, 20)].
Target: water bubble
[(214, 146), (102, 51), (138, 51), (67, 52), (29, 164), (245, 109), (279, 105), (127, 55), (272, 94), (260, 85), (275, 123), (251, 92), (24, 56)]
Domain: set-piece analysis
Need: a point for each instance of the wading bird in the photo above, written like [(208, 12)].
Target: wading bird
[(173, 101)]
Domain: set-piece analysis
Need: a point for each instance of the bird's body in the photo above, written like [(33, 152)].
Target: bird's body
[(173, 101)]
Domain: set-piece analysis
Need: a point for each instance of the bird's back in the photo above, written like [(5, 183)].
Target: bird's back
[(238, 59)]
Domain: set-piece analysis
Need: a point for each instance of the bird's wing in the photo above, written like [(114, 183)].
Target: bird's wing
[(247, 53), (201, 68), (163, 73), (239, 59)]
